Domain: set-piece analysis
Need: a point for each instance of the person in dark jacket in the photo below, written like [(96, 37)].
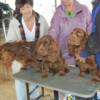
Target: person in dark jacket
[(93, 43)]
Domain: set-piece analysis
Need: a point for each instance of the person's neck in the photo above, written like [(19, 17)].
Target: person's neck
[(27, 19), (70, 8)]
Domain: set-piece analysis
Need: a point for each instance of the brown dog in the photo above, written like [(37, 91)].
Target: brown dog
[(43, 55), (49, 55), (22, 51), (76, 44), (76, 41)]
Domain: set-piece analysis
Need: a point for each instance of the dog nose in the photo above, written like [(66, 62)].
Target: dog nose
[(41, 48)]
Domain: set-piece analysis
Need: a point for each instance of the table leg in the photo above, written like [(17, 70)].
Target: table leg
[(42, 89), (42, 94), (56, 96), (27, 91), (95, 96)]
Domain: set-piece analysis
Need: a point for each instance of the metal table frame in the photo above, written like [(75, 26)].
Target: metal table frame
[(68, 84)]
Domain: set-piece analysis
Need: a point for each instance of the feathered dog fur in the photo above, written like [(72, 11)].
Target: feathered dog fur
[(76, 43), (49, 55), (22, 51), (43, 55)]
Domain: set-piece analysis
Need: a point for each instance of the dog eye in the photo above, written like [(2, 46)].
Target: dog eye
[(80, 34), (46, 45)]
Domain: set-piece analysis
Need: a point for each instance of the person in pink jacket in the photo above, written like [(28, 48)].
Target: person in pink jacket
[(68, 16)]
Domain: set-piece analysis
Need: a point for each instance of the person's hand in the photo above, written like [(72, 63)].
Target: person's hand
[(19, 41), (79, 58), (1, 45)]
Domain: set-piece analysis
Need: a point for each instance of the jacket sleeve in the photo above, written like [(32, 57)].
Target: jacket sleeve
[(54, 27), (88, 20), (98, 25), (93, 43), (13, 31), (43, 26)]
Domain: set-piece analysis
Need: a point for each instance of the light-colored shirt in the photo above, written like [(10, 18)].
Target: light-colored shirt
[(30, 35), (14, 32)]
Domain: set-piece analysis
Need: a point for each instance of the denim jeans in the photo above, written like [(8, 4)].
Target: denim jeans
[(20, 85)]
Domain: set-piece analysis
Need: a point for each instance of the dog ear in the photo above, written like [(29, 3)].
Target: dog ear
[(84, 40), (7, 58), (54, 46), (85, 35)]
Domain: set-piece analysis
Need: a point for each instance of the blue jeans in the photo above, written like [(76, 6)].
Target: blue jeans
[(20, 86), (21, 90)]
